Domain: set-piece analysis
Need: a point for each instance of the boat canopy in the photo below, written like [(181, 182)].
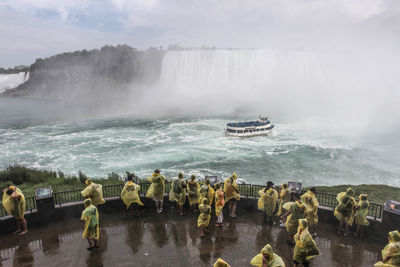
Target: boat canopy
[(248, 124)]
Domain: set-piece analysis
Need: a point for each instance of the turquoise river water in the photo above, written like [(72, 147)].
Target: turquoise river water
[(306, 150)]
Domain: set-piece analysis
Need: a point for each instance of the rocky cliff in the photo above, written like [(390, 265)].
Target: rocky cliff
[(90, 74)]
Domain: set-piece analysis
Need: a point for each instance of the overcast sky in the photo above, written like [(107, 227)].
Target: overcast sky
[(30, 29)]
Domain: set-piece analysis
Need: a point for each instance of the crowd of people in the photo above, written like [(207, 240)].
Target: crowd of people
[(298, 213)]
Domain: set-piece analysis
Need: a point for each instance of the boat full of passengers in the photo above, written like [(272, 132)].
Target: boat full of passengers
[(249, 128)]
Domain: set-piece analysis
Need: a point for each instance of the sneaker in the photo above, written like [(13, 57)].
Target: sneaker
[(158, 211), (233, 215), (161, 210)]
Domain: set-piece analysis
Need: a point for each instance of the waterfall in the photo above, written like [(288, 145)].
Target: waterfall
[(253, 77), (10, 81)]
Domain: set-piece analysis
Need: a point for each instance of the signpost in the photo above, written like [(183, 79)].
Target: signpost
[(295, 187), (44, 199)]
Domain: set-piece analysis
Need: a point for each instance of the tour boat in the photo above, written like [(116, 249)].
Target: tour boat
[(249, 128)]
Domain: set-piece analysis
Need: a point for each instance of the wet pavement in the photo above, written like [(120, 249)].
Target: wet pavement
[(171, 240)]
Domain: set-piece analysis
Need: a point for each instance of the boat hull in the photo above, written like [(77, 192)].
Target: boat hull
[(248, 134), (248, 131)]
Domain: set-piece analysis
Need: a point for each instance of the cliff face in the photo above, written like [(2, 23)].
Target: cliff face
[(91, 73)]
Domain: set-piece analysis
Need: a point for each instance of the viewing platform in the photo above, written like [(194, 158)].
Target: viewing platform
[(167, 239), (148, 239)]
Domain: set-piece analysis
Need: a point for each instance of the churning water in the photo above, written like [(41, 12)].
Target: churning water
[(303, 150)]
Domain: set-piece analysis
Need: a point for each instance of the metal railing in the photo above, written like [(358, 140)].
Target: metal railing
[(30, 205), (3, 211), (329, 200), (67, 196), (112, 190), (246, 190)]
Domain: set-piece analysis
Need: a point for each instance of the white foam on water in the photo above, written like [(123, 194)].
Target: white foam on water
[(199, 146)]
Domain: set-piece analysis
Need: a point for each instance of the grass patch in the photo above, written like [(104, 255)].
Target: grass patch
[(28, 179)]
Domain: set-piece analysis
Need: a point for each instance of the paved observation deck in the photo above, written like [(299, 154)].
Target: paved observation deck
[(148, 239)]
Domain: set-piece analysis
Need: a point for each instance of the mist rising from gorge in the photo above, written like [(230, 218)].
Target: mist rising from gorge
[(349, 89)]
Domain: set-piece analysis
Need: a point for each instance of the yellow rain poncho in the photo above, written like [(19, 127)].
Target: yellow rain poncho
[(91, 217), (345, 209), (94, 192), (171, 195), (362, 212), (193, 191), (210, 193), (14, 204), (284, 197), (130, 194), (221, 263), (273, 259), (219, 201), (203, 193), (267, 200), (157, 188), (391, 250), (305, 248), (231, 188), (205, 214), (178, 192), (298, 210), (312, 207)]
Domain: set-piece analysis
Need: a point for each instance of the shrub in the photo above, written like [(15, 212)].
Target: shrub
[(114, 177), (61, 174), (82, 176)]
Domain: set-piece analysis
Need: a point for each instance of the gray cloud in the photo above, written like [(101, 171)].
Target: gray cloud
[(44, 27)]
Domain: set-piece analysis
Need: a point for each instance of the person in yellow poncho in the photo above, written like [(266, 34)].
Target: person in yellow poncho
[(203, 192), (232, 194), (91, 231), (193, 192), (219, 204), (210, 193), (178, 192), (295, 210), (94, 192), (305, 248), (361, 215), (312, 209), (130, 193), (345, 211), (157, 189), (267, 258), (204, 218), (284, 197), (221, 263), (391, 252), (267, 202), (14, 203)]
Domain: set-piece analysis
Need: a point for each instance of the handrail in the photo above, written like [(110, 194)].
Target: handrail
[(30, 205), (246, 190)]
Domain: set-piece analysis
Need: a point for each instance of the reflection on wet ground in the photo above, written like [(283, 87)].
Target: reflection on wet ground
[(171, 240)]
